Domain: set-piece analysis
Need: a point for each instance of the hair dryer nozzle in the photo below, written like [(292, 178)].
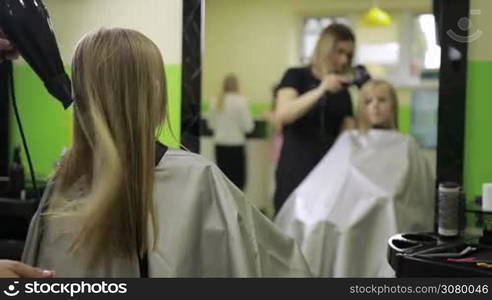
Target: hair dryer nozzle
[(360, 75)]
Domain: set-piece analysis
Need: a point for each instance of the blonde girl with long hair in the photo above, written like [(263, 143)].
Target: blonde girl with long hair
[(230, 120), (123, 205), (312, 104), (377, 107)]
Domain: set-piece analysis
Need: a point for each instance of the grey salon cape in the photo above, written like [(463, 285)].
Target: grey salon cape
[(367, 188), (207, 229)]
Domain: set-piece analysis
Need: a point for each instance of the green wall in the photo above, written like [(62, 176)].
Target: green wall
[(48, 128), (478, 136), (405, 119)]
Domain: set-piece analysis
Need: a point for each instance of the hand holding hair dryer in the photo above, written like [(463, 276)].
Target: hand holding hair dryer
[(27, 25)]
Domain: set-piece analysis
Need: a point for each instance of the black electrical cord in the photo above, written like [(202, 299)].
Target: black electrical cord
[(21, 130)]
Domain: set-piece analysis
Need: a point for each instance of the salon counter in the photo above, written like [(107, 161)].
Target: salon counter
[(15, 216), (428, 255)]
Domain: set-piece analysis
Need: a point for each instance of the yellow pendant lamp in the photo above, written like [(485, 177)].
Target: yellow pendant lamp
[(376, 17)]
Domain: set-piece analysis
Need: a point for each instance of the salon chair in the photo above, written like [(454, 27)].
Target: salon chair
[(15, 216)]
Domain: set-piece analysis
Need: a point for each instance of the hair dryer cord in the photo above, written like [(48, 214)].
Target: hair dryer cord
[(23, 137)]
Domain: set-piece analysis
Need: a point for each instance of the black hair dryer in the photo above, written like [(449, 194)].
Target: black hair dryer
[(27, 25), (360, 75)]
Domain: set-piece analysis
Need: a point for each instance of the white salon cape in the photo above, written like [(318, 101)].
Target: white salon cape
[(367, 188), (207, 229)]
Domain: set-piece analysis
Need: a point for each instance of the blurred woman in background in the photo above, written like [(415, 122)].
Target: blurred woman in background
[(231, 120)]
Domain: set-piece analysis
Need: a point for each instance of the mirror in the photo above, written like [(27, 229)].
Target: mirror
[(259, 40)]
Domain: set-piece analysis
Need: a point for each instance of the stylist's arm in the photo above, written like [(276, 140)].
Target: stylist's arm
[(292, 106), (15, 269)]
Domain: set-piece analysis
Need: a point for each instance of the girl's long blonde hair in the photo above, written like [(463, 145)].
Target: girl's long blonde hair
[(119, 87), (320, 60), (230, 85), (363, 123)]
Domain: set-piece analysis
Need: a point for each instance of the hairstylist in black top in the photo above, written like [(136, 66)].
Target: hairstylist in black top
[(312, 105)]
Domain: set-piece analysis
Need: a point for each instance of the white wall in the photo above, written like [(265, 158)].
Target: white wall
[(160, 20)]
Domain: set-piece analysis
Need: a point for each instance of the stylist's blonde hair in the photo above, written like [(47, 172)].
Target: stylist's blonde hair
[(331, 35), (120, 100), (230, 85), (362, 119)]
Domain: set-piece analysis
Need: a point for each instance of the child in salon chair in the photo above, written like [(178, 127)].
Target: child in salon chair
[(372, 184)]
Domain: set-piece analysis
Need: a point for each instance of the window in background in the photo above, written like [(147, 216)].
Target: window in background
[(378, 53), (379, 48), (312, 28), (424, 117), (406, 51), (430, 55), (426, 60)]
